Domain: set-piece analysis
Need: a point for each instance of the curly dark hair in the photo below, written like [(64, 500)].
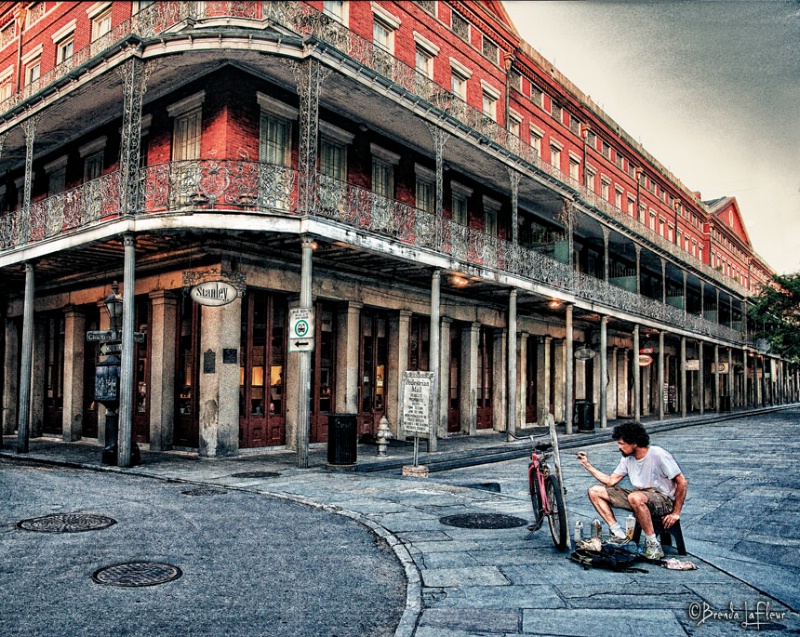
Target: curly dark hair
[(632, 433)]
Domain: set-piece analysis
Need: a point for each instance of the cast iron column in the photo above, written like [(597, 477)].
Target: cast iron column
[(568, 370), (126, 372), (661, 375), (637, 378), (23, 424), (511, 384), (683, 375), (433, 356), (304, 362), (603, 372)]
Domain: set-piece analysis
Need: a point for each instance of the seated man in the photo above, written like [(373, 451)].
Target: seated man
[(659, 487)]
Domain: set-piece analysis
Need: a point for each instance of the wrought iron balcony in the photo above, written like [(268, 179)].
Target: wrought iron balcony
[(233, 186)]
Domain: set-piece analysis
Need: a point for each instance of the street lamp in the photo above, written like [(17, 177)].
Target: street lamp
[(113, 303)]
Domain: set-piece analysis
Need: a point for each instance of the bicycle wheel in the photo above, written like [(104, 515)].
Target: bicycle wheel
[(536, 499), (558, 514)]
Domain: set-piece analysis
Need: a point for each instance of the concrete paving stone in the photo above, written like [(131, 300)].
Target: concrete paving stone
[(638, 595), (453, 546), (507, 597), (368, 507), (561, 572), (502, 557), (438, 631), (408, 521), (446, 560), (766, 553), (471, 620), (424, 536), (771, 540), (459, 577), (601, 622)]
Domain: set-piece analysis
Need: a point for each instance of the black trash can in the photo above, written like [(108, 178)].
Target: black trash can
[(342, 439), (584, 415)]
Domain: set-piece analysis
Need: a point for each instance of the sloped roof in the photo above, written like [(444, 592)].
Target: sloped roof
[(726, 210)]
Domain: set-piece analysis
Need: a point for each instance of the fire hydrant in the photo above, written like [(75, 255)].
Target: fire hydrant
[(384, 436)]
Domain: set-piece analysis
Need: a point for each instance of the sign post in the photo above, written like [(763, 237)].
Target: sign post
[(416, 414)]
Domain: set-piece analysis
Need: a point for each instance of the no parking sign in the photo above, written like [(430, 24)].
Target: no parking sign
[(301, 329)]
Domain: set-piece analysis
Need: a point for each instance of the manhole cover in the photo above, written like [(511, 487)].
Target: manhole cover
[(66, 523), (483, 521), (256, 474), (204, 491), (135, 574)]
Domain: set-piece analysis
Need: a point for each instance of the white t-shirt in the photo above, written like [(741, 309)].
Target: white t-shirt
[(657, 469)]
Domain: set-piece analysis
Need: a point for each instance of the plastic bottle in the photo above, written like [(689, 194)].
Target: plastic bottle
[(597, 528), (630, 525), (578, 536)]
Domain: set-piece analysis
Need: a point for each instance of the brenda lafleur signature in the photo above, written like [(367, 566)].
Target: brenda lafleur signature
[(756, 616)]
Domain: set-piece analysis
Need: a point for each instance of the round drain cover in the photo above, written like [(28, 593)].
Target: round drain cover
[(67, 523), (483, 521), (135, 574), (256, 474), (204, 491)]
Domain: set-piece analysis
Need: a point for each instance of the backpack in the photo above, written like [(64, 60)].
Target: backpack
[(609, 557)]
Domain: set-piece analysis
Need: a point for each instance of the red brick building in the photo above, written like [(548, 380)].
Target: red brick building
[(438, 194)]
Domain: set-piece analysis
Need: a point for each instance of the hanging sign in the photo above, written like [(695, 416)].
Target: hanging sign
[(301, 329), (692, 365), (645, 360), (213, 293)]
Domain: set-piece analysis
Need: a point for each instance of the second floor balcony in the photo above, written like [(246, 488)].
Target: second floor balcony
[(228, 192)]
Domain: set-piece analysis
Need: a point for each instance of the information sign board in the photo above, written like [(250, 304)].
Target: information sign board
[(416, 404), (301, 329)]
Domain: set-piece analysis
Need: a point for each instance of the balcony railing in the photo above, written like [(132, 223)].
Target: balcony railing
[(161, 17), (229, 186)]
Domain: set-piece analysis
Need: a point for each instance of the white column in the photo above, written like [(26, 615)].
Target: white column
[(74, 347), (163, 356), (469, 378)]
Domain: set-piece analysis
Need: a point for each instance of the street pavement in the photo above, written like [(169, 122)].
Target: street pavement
[(741, 523)]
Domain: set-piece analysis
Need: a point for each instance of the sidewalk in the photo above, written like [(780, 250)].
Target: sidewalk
[(468, 581)]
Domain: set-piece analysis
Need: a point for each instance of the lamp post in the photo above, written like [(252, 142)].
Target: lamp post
[(107, 377)]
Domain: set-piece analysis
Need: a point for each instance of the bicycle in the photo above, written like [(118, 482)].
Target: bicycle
[(546, 496)]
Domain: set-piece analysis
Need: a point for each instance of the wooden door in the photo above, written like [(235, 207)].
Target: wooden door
[(186, 431), (141, 373), (323, 372), (485, 379), (54, 375), (373, 366), (262, 404), (454, 386)]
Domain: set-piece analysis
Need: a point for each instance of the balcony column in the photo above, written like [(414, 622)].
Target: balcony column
[(304, 360), (439, 140), (660, 393), (716, 379), (603, 372), (606, 234), (663, 280), (702, 299), (26, 227), (569, 365), (638, 249), (74, 346), (543, 365), (514, 177), (26, 355), (499, 386), (568, 213), (719, 314), (127, 371), (637, 376), (309, 76), (433, 355), (685, 298), (683, 376), (558, 369), (444, 375), (623, 397), (11, 379), (511, 380), (701, 378), (134, 74)]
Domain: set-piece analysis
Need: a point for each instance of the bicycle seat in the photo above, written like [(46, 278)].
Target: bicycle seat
[(543, 446)]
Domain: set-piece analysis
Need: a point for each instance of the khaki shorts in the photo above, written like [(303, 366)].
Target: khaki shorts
[(660, 504)]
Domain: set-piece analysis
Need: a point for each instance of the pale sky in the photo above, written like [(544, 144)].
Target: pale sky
[(711, 88)]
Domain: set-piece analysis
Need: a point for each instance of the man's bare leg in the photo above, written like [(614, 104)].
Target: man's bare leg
[(598, 496)]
